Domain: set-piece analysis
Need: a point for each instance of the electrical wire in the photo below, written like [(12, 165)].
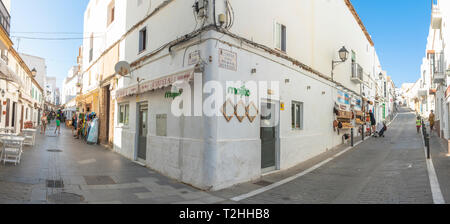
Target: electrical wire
[(53, 38)]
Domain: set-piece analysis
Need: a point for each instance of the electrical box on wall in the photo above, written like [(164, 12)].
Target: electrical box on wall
[(200, 7)]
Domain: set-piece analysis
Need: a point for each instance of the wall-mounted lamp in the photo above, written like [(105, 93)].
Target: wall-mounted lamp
[(3, 93), (380, 76), (343, 56), (34, 72)]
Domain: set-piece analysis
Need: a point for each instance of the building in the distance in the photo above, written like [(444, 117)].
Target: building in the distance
[(21, 96)]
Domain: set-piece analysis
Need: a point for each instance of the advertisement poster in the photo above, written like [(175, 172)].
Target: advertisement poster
[(343, 98)]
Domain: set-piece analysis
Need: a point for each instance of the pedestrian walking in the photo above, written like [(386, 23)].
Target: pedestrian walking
[(49, 118), (431, 119), (74, 123), (58, 124), (44, 123), (418, 124), (373, 122)]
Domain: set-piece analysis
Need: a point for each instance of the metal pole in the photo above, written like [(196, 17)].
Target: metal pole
[(352, 138), (362, 132), (428, 146)]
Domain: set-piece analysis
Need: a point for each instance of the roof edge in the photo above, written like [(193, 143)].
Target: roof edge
[(359, 21)]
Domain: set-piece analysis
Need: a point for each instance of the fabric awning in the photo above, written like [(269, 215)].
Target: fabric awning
[(184, 75), (73, 109)]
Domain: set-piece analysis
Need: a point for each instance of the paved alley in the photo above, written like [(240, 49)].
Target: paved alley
[(64, 170), (390, 170)]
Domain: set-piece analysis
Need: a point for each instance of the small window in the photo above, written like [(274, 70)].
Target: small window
[(91, 50), (280, 37), (297, 115), (124, 113), (111, 12), (142, 40)]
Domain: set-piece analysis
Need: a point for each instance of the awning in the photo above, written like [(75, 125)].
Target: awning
[(73, 109), (184, 75)]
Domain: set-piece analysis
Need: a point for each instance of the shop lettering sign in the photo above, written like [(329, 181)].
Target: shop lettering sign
[(227, 60), (153, 84), (172, 95), (241, 91)]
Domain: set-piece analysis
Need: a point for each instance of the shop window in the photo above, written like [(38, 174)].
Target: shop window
[(124, 114), (297, 115)]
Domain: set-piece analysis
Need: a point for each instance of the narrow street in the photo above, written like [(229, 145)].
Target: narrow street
[(380, 170), (390, 170)]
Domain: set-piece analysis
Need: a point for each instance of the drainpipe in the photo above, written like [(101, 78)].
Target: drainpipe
[(210, 124)]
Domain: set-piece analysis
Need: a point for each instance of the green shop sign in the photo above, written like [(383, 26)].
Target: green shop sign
[(172, 95), (241, 91)]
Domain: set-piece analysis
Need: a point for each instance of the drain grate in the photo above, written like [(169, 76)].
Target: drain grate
[(65, 198), (263, 183), (54, 150), (55, 184), (99, 180)]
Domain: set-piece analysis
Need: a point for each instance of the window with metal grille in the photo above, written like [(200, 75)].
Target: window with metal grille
[(297, 115)]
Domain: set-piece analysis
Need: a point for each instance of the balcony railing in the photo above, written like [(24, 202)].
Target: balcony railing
[(5, 18), (437, 63), (357, 73)]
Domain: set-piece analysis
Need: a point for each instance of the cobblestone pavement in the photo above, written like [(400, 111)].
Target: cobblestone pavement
[(64, 170), (379, 170), (390, 170)]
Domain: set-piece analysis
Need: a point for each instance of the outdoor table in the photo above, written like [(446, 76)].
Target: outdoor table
[(30, 136), (12, 149)]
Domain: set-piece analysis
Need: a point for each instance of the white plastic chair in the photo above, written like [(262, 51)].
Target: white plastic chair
[(12, 151), (30, 137)]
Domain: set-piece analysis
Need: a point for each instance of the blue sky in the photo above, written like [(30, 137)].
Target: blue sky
[(49, 16), (398, 28)]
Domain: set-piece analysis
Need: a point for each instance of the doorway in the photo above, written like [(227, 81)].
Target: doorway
[(21, 118), (14, 114), (108, 107), (142, 131), (269, 135)]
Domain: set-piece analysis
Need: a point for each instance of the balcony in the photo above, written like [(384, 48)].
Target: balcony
[(5, 18), (357, 73), (422, 92), (436, 18), (437, 63)]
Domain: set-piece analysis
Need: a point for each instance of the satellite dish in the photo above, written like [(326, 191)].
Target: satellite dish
[(123, 68)]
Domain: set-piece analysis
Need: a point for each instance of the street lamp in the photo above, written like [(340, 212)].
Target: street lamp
[(343, 56), (3, 93), (33, 72)]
